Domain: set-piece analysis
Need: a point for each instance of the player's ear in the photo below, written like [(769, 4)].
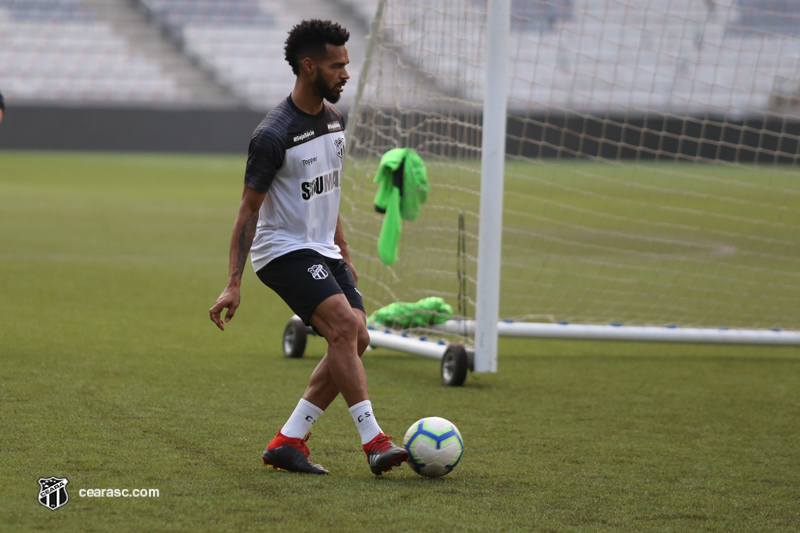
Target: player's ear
[(308, 65)]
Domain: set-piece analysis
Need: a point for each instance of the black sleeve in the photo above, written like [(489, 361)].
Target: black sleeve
[(264, 157), (2, 103)]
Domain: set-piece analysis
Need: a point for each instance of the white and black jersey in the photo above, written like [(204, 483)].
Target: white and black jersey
[(296, 158)]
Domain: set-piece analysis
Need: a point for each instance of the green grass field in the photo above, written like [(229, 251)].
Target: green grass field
[(112, 376)]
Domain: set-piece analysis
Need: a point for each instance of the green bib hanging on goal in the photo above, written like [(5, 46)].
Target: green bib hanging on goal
[(402, 188)]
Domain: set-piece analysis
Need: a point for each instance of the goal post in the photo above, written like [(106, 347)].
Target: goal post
[(651, 180), (493, 155)]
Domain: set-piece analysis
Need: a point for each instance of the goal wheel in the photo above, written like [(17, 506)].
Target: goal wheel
[(455, 364), (294, 338)]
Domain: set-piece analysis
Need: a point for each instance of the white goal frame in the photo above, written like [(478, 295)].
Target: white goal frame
[(487, 326), (492, 187)]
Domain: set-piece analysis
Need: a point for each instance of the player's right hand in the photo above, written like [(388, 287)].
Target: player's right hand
[(229, 299)]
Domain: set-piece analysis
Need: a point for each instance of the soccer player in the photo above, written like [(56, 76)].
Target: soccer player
[(289, 223), (2, 107)]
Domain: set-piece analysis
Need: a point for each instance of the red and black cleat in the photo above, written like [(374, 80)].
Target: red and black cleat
[(285, 453), (383, 454)]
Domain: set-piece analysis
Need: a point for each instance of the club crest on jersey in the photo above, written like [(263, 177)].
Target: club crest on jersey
[(318, 272), (339, 143), (320, 186)]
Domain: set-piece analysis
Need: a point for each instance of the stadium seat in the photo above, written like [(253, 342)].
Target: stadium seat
[(58, 50)]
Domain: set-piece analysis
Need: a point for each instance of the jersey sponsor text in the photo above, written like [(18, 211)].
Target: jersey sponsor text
[(320, 186), (303, 136)]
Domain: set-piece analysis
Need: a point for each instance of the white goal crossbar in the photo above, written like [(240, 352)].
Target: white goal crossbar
[(632, 333), (435, 348), (402, 342)]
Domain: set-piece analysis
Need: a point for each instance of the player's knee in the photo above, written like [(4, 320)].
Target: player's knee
[(345, 331)]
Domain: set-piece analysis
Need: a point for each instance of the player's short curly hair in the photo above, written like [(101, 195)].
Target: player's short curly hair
[(308, 39)]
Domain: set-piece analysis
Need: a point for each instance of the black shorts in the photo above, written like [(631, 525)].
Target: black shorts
[(305, 278)]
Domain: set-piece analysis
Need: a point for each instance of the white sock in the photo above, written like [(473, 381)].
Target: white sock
[(303, 417), (365, 421)]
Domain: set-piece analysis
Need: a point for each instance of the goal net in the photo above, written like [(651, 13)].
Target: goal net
[(652, 174)]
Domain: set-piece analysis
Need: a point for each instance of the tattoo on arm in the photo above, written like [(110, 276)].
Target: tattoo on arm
[(246, 236)]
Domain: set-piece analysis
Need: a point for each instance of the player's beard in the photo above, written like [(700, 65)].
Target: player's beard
[(326, 91)]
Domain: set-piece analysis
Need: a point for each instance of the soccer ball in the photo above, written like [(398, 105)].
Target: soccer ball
[(434, 446)]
